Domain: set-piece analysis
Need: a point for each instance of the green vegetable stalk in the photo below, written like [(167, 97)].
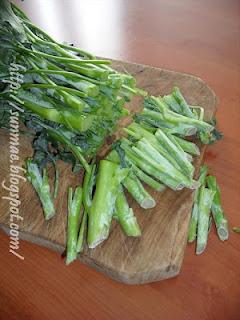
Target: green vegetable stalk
[(204, 207), (88, 184), (108, 181), (150, 168), (126, 216), (176, 151), (41, 186), (176, 119), (136, 189), (83, 226), (165, 115), (74, 207), (114, 157), (217, 210), (138, 132), (172, 103), (146, 178), (149, 154), (141, 175), (187, 146), (186, 111), (192, 232)]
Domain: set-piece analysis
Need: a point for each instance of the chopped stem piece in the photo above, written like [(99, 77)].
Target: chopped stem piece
[(217, 210), (41, 186), (192, 233), (74, 207), (126, 216), (204, 207), (108, 181), (136, 189)]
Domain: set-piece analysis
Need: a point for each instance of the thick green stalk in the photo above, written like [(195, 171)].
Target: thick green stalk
[(45, 198), (71, 97), (50, 114), (54, 87), (114, 157), (182, 102), (81, 234), (192, 232), (187, 146), (138, 132), (151, 170), (137, 191), (41, 186), (74, 208), (177, 119), (186, 155), (172, 103), (146, 178), (48, 110), (204, 207), (173, 117), (90, 71), (88, 184), (67, 75), (181, 129), (147, 152), (217, 210), (125, 216), (108, 181), (176, 151)]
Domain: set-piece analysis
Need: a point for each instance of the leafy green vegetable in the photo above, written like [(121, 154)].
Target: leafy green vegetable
[(71, 100)]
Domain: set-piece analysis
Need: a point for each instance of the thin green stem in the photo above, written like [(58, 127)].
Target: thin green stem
[(76, 60), (55, 87), (74, 208)]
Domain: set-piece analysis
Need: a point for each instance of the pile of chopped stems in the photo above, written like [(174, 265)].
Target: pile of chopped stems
[(154, 155)]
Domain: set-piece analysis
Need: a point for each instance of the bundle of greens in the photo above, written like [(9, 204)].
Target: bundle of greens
[(71, 100)]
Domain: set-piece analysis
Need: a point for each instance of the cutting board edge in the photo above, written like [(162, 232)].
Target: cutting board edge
[(123, 277)]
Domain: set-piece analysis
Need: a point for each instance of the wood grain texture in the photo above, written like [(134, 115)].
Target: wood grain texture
[(158, 253), (197, 37)]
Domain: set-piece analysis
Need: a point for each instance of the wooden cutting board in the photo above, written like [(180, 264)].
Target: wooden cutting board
[(158, 253)]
